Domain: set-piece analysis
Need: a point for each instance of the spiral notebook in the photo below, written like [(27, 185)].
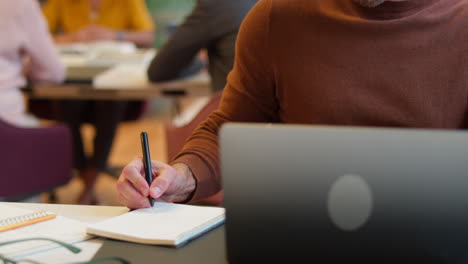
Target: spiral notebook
[(11, 223), (163, 224), (17, 223)]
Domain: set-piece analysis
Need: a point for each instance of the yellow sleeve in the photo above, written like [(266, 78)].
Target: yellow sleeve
[(51, 12), (140, 17)]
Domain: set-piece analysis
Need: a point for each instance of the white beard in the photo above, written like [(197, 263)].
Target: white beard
[(369, 3)]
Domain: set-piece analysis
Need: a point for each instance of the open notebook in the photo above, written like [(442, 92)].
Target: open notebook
[(163, 224)]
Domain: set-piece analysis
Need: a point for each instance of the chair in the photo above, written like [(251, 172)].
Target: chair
[(33, 160), (176, 137)]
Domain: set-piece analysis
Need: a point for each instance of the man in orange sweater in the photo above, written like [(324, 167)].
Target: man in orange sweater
[(335, 62)]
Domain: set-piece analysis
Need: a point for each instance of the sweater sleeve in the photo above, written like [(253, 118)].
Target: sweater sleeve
[(249, 96), (465, 125), (177, 58), (44, 59)]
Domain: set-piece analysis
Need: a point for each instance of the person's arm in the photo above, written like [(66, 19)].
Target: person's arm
[(82, 35), (142, 39), (93, 32), (250, 96), (140, 28), (43, 59), (177, 57)]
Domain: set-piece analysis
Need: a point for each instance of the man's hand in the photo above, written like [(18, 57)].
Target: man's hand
[(87, 33), (171, 184), (96, 32)]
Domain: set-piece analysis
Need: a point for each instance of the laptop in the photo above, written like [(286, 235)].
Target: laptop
[(324, 194)]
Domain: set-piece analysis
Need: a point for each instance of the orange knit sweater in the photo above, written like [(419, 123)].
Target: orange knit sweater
[(401, 64)]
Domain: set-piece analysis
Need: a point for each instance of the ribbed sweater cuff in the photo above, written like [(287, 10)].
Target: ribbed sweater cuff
[(205, 184)]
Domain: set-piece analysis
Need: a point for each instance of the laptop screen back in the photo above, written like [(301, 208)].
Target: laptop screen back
[(340, 195)]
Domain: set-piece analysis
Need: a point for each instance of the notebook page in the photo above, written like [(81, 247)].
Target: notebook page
[(60, 228), (164, 223)]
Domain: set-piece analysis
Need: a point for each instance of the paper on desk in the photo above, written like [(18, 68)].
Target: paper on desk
[(110, 58), (73, 60), (60, 228), (134, 76), (101, 54), (62, 255), (123, 76), (98, 46)]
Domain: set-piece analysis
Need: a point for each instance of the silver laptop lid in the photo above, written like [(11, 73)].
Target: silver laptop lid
[(322, 193)]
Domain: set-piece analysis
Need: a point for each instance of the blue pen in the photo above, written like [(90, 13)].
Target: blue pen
[(147, 162)]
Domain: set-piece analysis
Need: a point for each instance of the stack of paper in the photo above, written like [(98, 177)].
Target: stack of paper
[(85, 60), (134, 76), (122, 76), (91, 48)]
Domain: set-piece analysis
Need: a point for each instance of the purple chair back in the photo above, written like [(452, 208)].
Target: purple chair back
[(33, 160)]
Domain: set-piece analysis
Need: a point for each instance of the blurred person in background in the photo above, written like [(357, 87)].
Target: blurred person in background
[(88, 21), (213, 26), (95, 20), (28, 53)]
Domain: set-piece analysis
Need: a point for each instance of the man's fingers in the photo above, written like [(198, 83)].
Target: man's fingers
[(137, 163), (129, 192), (129, 196), (133, 190), (132, 204), (162, 182), (133, 174)]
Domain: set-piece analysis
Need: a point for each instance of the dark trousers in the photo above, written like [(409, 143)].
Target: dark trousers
[(104, 116)]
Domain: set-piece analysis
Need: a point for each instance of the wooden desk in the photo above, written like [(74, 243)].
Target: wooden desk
[(112, 66), (85, 90)]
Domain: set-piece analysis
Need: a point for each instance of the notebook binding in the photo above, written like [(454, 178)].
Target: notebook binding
[(23, 218)]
